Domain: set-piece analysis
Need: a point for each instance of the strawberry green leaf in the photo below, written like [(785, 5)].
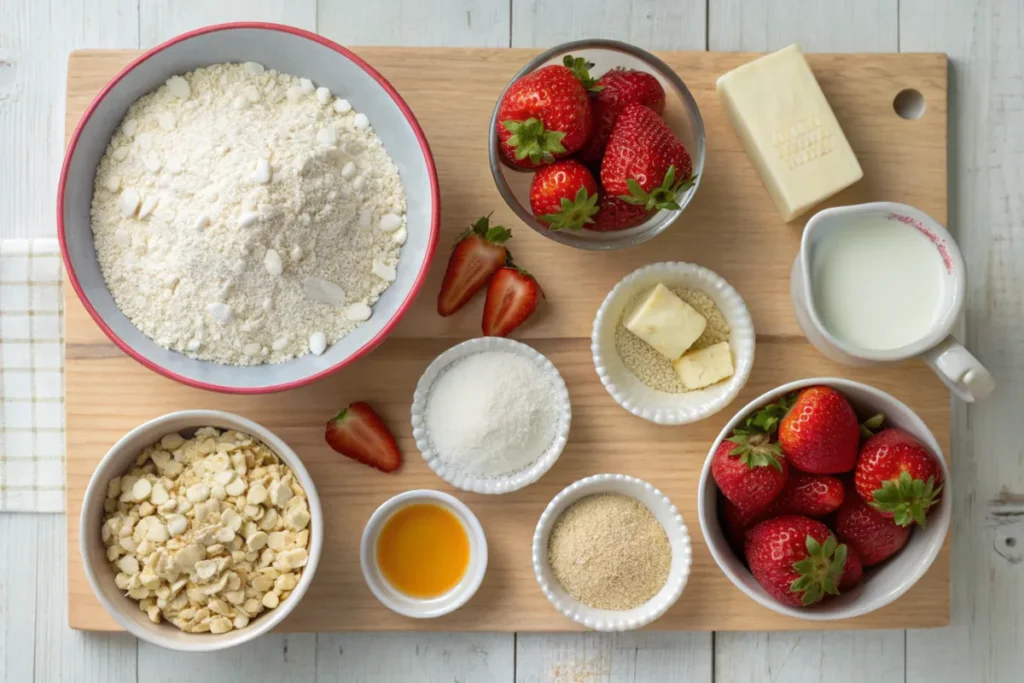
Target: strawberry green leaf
[(906, 499), (574, 213), (871, 425), (498, 234), (581, 69), (529, 139), (819, 572), (661, 197), (755, 449)]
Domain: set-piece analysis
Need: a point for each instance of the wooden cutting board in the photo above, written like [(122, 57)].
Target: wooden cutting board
[(731, 227)]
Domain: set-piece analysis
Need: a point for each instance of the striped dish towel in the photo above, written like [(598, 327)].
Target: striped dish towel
[(31, 377)]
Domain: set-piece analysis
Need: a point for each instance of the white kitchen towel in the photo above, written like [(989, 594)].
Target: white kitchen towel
[(31, 377)]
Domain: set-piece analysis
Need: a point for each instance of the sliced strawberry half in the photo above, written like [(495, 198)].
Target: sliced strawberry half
[(477, 255), (512, 297), (357, 432)]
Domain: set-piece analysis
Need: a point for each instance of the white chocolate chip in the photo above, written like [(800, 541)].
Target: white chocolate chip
[(257, 495), (296, 253), (176, 524), (270, 600), (358, 312), (220, 312), (327, 136), (141, 489), (262, 173), (342, 106), (384, 271), (248, 218), (323, 95), (148, 205), (317, 343), (179, 87), (197, 493), (129, 565), (399, 236), (254, 68), (323, 291), (361, 121), (390, 222), (348, 170), (128, 201), (272, 262)]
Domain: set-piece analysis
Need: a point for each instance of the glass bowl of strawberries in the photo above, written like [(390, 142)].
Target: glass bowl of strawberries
[(597, 144), (825, 499)]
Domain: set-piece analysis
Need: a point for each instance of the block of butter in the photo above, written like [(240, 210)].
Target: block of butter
[(666, 322), (788, 130), (699, 369)]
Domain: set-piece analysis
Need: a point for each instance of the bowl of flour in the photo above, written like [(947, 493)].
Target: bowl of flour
[(247, 208)]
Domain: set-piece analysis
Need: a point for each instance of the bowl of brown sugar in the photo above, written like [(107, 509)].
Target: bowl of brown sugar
[(673, 343), (611, 552)]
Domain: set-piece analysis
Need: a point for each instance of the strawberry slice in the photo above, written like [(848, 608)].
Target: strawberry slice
[(477, 255), (512, 297), (357, 432)]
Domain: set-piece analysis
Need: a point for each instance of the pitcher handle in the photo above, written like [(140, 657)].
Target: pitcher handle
[(959, 370)]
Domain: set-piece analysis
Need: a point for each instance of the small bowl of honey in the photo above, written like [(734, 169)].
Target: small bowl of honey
[(423, 554)]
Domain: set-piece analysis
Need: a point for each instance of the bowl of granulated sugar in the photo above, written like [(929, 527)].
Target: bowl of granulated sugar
[(491, 415)]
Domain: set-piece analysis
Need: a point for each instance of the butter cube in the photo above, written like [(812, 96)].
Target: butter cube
[(788, 130), (666, 322), (699, 369)]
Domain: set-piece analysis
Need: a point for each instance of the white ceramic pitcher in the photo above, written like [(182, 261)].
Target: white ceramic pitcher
[(965, 376)]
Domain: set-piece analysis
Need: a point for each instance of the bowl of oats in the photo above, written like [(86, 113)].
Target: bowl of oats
[(673, 343), (247, 207), (200, 530)]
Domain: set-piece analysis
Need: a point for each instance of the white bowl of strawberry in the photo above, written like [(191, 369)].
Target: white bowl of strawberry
[(825, 499), (597, 144)]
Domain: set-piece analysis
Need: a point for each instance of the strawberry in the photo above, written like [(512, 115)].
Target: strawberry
[(749, 469), (874, 536), (545, 115), (811, 495), (358, 433), (853, 572), (512, 297), (477, 255), (820, 433), (564, 195), (644, 162), (613, 91), (796, 559), (898, 476), (615, 214), (736, 521)]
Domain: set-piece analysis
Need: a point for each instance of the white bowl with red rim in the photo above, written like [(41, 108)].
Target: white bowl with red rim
[(288, 50), (882, 583)]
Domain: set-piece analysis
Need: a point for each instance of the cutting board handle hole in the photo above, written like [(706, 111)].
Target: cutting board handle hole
[(909, 104)]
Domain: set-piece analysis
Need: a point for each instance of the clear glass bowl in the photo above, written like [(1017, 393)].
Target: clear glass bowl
[(681, 114)]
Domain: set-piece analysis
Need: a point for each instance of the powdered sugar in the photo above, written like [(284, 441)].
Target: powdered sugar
[(492, 413), (240, 214)]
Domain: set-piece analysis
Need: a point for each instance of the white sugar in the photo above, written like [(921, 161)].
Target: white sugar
[(492, 413)]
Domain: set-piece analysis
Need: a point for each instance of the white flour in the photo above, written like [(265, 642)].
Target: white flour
[(491, 413), (243, 216)]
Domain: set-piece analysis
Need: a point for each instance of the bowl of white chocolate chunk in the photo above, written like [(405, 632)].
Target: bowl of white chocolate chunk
[(200, 530), (673, 343), (247, 207)]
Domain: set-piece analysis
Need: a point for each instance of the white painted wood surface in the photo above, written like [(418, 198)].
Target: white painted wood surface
[(984, 40)]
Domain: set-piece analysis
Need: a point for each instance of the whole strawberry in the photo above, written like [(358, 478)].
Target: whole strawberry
[(563, 195), (545, 115), (812, 495), (796, 559), (749, 469), (644, 162), (820, 433), (874, 536), (898, 476), (615, 214), (736, 521), (613, 92)]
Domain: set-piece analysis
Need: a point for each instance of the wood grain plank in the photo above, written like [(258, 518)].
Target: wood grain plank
[(986, 48), (651, 24), (61, 654), (273, 657), (451, 23), (163, 19), (818, 26), (421, 657), (614, 657), (35, 38), (19, 582), (733, 211), (863, 26), (810, 657)]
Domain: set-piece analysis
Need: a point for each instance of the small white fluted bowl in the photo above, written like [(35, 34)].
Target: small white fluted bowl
[(671, 521), (424, 608), (505, 483), (658, 406)]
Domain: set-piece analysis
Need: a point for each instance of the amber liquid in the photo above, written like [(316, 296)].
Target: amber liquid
[(423, 550)]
